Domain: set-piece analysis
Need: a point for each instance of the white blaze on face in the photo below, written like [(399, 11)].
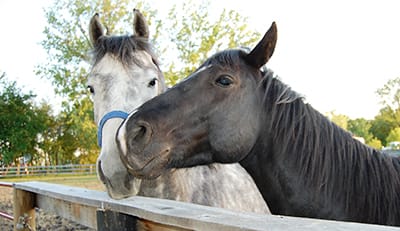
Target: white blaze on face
[(197, 71), (117, 87), (202, 69)]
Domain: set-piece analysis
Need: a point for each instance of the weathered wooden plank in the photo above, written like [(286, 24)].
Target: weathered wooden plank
[(24, 210), (186, 215), (150, 225), (79, 213), (73, 194)]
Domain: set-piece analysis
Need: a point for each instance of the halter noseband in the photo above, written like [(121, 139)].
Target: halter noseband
[(109, 115)]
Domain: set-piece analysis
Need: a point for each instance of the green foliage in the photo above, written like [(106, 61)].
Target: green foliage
[(21, 121), (338, 119), (68, 45), (394, 135), (195, 36), (390, 94), (382, 125), (375, 143), (389, 116), (360, 127)]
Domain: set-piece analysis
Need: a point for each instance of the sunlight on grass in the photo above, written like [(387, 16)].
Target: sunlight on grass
[(83, 181)]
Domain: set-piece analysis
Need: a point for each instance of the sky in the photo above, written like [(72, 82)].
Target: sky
[(335, 53)]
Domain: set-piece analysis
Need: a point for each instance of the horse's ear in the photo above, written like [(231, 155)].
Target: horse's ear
[(95, 29), (140, 25), (264, 49)]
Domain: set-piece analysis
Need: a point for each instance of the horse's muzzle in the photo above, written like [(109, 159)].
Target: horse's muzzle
[(132, 138)]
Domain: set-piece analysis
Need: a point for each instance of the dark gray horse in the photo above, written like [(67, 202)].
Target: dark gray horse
[(230, 110)]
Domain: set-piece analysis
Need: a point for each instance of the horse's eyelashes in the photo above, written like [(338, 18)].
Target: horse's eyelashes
[(224, 81)]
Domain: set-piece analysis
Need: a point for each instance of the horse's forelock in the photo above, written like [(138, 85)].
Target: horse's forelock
[(123, 48), (231, 58)]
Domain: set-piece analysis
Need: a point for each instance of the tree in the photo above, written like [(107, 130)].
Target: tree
[(21, 121), (339, 119), (394, 135), (389, 116), (67, 43), (382, 124), (360, 127), (390, 94), (188, 37), (375, 143), (194, 36)]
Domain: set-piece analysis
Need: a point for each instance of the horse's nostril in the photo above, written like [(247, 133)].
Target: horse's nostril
[(140, 132), (132, 138), (138, 135)]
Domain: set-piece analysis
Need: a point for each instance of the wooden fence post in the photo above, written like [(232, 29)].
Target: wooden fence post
[(24, 210), (108, 220)]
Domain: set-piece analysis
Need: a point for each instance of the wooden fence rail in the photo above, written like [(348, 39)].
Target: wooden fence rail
[(96, 210), (69, 169)]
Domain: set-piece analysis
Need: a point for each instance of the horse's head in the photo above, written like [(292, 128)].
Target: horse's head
[(212, 116), (124, 75)]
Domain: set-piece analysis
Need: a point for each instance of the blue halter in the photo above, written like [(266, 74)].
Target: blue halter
[(109, 115)]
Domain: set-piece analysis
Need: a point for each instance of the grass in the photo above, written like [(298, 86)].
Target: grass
[(83, 181)]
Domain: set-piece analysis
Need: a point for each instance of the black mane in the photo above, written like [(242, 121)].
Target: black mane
[(122, 47), (358, 178)]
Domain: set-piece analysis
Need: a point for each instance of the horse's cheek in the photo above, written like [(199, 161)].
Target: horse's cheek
[(232, 143), (246, 139)]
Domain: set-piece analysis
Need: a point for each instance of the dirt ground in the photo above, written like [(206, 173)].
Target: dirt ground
[(44, 221)]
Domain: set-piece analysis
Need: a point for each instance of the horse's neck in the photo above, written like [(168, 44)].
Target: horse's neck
[(262, 168), (216, 185)]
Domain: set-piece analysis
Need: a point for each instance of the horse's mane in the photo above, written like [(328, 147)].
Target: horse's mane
[(364, 181), (122, 47)]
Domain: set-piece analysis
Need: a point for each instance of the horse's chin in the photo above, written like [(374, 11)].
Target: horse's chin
[(117, 195), (122, 193), (127, 187)]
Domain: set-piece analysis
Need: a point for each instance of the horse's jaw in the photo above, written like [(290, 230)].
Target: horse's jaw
[(111, 171), (120, 185)]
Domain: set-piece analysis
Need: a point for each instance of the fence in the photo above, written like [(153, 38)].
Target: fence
[(96, 210), (3, 213), (70, 169)]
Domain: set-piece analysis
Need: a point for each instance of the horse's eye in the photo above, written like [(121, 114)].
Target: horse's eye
[(153, 82), (91, 89), (224, 81)]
